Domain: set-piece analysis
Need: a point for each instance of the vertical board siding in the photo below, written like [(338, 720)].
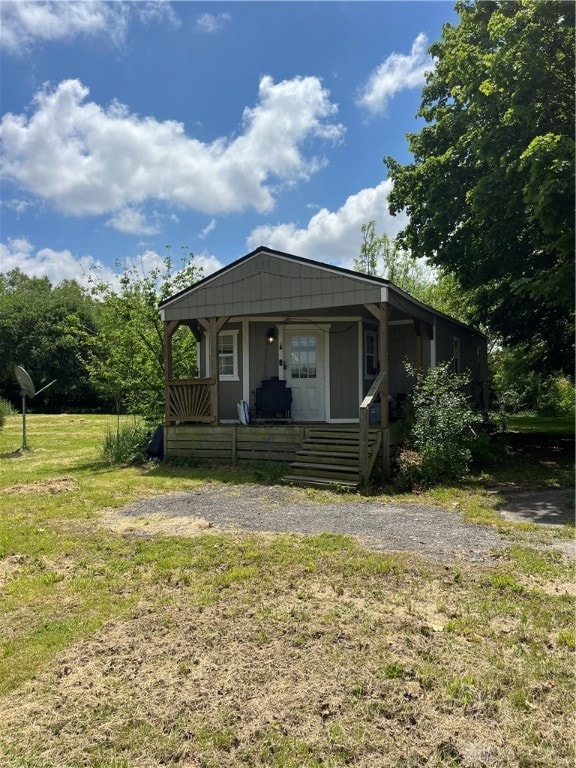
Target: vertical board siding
[(402, 349), (344, 395), (267, 283)]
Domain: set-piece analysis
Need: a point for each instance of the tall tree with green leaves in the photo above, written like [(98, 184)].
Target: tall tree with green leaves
[(490, 194), (37, 321), (126, 356), (382, 256)]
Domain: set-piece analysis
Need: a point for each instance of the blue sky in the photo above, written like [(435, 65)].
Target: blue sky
[(214, 127)]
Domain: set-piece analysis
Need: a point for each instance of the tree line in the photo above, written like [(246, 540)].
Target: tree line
[(103, 344)]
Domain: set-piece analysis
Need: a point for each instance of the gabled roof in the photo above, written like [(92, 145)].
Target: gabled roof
[(267, 281), (262, 249)]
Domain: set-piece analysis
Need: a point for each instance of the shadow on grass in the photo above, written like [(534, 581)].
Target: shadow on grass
[(269, 473), (17, 454)]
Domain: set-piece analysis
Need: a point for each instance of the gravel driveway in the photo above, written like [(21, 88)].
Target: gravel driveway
[(381, 526)]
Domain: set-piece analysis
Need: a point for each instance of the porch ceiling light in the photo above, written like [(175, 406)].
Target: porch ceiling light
[(271, 335)]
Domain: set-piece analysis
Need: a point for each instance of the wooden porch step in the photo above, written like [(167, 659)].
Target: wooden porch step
[(321, 457), (329, 457), (347, 437), (330, 450), (317, 482), (326, 429), (324, 470)]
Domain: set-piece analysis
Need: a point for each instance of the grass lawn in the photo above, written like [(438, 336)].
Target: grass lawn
[(559, 426), (228, 649)]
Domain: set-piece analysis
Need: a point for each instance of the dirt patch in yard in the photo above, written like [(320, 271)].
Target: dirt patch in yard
[(52, 485)]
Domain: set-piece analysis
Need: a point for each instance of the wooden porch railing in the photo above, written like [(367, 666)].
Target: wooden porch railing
[(189, 400), (366, 461)]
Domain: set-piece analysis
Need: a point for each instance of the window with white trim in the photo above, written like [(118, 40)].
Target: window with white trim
[(228, 356), (370, 354)]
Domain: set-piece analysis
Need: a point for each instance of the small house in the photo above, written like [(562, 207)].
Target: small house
[(304, 362)]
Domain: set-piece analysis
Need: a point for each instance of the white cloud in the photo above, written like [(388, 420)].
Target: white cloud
[(207, 262), (207, 229), (334, 236), (131, 221), (22, 24), (396, 73), (18, 253), (87, 159), (210, 22), (17, 205), (155, 12)]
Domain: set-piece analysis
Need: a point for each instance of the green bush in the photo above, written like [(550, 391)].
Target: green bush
[(517, 387), (6, 409), (126, 445), (556, 397), (439, 427), (487, 449)]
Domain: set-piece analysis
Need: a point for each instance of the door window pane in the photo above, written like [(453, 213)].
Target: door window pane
[(303, 357)]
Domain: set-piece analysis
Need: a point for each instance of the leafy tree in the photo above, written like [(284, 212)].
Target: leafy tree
[(382, 256), (490, 194), (518, 387), (36, 322), (126, 357)]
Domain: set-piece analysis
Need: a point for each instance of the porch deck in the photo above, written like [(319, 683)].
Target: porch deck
[(318, 453)]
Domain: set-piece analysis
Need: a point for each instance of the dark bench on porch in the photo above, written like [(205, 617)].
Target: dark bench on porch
[(273, 400)]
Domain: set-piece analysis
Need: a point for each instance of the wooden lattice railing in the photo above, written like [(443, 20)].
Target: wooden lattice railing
[(189, 400)]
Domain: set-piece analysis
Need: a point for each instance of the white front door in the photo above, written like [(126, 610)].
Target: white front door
[(304, 372)]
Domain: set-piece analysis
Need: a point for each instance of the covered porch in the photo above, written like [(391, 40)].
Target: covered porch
[(335, 342), (342, 452)]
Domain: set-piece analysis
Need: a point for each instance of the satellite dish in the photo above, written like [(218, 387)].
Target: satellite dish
[(27, 389), (26, 383)]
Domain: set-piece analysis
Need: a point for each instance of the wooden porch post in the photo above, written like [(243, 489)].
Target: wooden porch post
[(214, 371), (384, 313), (213, 325), (170, 327)]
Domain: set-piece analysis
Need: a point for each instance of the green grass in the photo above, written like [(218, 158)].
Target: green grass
[(255, 650), (562, 426)]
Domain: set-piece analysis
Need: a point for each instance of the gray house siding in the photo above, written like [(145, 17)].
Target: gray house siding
[(263, 357), (230, 394), (230, 391), (344, 396), (402, 349), (472, 358)]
